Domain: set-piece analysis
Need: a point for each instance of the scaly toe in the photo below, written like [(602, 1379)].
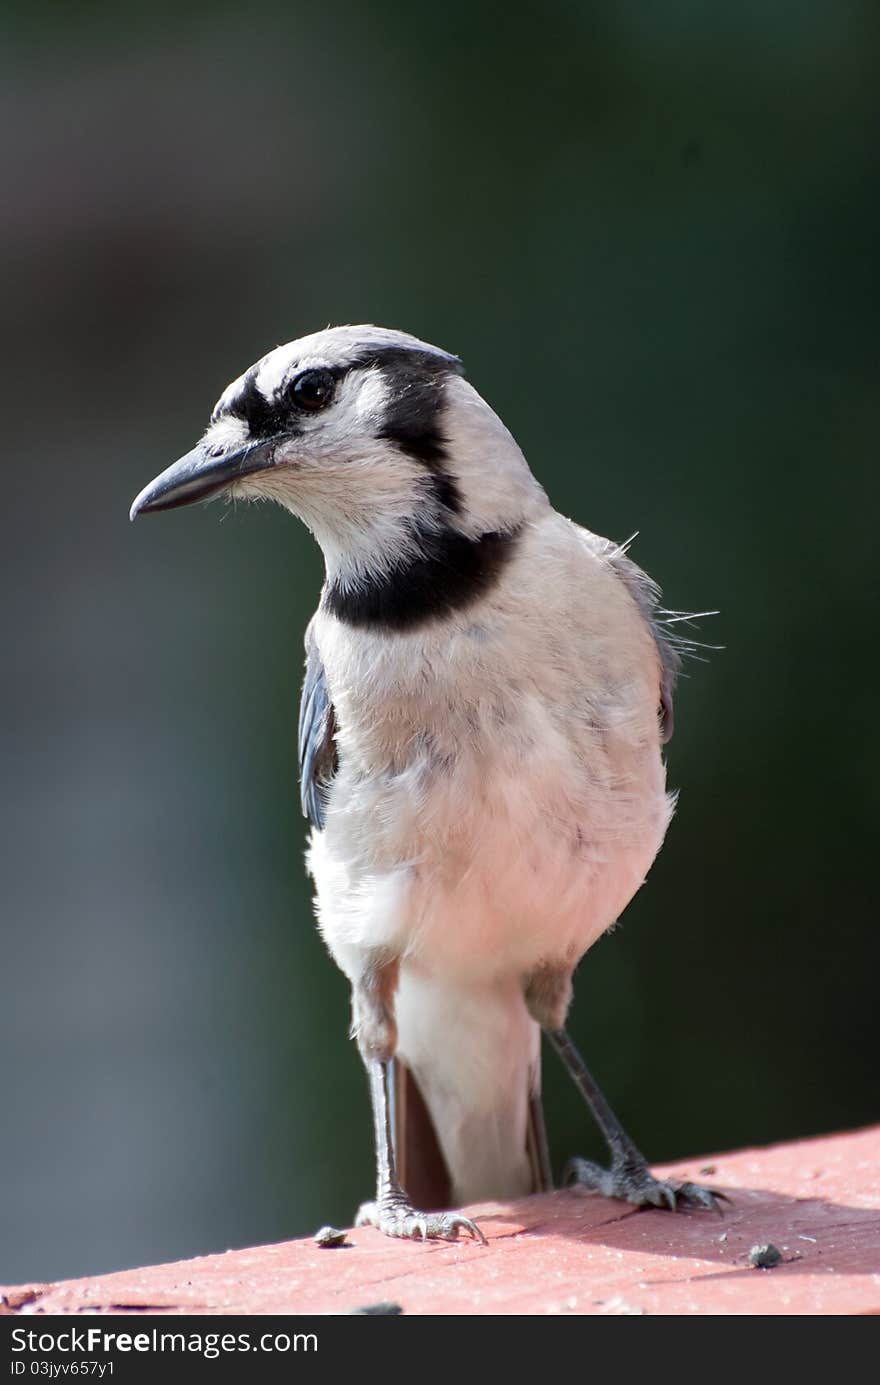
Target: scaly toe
[(694, 1195), (455, 1223), (637, 1186), (400, 1219)]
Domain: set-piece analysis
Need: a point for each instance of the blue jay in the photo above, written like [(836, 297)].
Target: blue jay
[(488, 687)]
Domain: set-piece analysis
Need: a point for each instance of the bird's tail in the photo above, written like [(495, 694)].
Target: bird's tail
[(467, 1114)]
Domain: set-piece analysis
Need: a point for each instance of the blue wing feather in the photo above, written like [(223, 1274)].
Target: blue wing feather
[(317, 727)]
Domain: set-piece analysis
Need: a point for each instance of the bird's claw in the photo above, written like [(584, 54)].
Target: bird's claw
[(397, 1217), (637, 1185)]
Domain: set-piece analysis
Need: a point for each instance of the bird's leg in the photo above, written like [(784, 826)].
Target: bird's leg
[(376, 1033), (392, 1212), (547, 995), (629, 1177)]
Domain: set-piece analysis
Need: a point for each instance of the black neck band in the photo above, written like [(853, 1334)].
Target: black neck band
[(450, 573)]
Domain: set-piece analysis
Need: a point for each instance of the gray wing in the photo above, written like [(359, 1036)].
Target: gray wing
[(317, 730), (646, 595)]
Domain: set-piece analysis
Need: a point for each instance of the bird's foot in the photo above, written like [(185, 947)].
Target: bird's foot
[(634, 1183), (395, 1216)]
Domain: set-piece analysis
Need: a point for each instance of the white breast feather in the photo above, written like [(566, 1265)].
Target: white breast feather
[(501, 793)]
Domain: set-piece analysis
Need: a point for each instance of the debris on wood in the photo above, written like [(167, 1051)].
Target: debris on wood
[(764, 1257), (376, 1310), (329, 1237)]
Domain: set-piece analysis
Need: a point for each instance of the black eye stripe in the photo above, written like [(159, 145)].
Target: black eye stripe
[(412, 418), (264, 418)]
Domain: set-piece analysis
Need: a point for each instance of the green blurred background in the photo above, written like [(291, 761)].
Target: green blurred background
[(651, 231)]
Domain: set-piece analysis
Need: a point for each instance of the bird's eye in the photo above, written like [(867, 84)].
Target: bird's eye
[(312, 390)]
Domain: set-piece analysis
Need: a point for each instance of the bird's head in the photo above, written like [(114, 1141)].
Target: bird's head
[(372, 437)]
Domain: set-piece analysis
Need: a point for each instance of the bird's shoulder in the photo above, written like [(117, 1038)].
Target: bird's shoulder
[(646, 595)]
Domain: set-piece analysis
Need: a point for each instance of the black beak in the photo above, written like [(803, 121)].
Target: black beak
[(201, 473)]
